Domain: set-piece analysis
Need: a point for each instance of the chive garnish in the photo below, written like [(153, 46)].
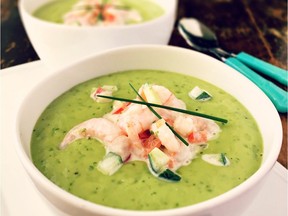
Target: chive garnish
[(159, 116), (167, 107)]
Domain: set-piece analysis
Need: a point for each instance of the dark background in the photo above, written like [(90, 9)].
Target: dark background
[(258, 27)]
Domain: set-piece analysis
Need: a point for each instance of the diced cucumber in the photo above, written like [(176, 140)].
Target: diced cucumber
[(150, 94), (110, 164), (169, 175), (216, 159), (158, 160), (158, 163), (199, 94)]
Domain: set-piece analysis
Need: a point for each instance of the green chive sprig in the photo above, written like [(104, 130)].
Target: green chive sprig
[(166, 107)]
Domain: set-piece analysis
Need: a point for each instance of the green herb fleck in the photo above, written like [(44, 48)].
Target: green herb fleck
[(223, 159)]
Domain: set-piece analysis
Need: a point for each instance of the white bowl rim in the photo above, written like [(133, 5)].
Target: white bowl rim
[(266, 166), (155, 21)]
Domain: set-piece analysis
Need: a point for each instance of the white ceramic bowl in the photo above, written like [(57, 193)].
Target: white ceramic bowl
[(58, 44), (160, 58)]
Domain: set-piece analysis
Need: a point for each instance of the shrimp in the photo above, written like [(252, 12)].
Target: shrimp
[(121, 145), (167, 98), (184, 125), (133, 120), (196, 129), (165, 135), (116, 16), (95, 12), (97, 128)]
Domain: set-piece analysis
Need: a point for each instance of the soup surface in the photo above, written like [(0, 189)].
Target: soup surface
[(92, 14), (133, 186)]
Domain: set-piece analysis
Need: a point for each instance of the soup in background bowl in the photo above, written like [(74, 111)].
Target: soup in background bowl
[(154, 62), (99, 13), (58, 44)]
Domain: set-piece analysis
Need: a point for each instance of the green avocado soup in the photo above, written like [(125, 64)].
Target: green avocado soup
[(54, 11), (133, 187)]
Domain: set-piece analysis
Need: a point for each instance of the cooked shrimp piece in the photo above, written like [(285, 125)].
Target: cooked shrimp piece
[(84, 13), (184, 125), (154, 93), (168, 98), (132, 127), (146, 118), (97, 128), (173, 101), (121, 145), (211, 128), (133, 119), (94, 12), (161, 95), (165, 135), (196, 129), (114, 16)]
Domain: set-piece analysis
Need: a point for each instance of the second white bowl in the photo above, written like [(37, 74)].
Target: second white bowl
[(57, 44)]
